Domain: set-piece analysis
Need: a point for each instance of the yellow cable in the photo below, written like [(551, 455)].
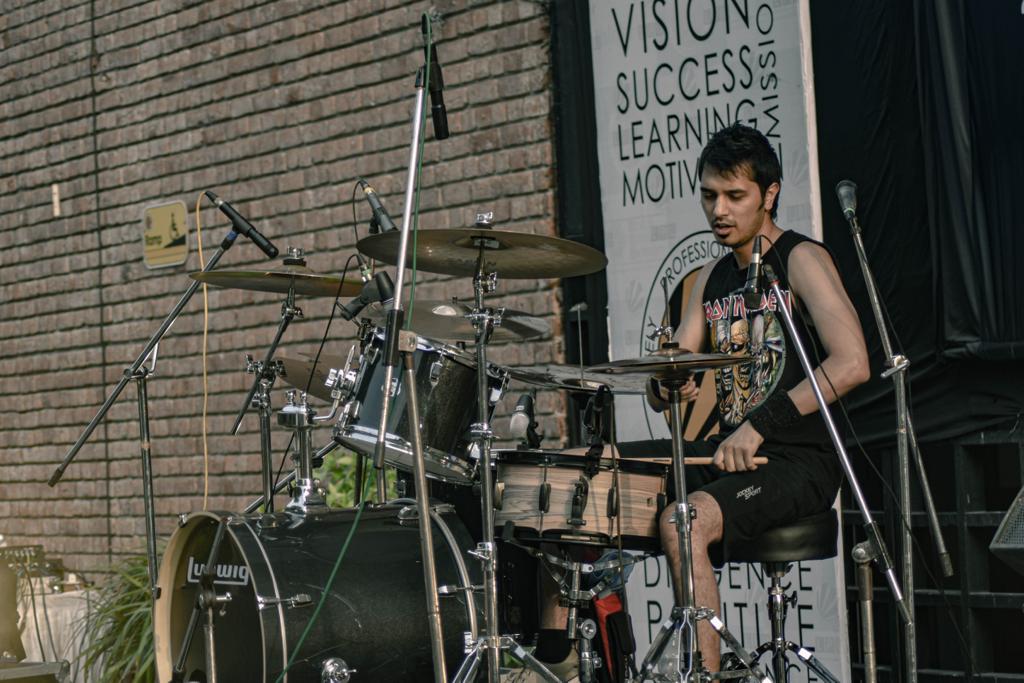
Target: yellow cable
[(206, 329)]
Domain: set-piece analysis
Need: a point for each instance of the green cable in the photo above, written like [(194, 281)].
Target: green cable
[(330, 582)]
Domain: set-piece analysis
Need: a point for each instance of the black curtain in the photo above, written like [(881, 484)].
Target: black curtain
[(920, 104)]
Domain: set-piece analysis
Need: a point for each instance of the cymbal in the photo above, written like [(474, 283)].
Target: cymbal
[(297, 372), (446, 320), (280, 279), (669, 363), (454, 251), (569, 378)]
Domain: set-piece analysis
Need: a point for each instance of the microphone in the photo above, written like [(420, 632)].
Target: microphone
[(522, 425), (381, 220), (752, 289), (438, 112), (243, 226), (379, 289), (846, 190)]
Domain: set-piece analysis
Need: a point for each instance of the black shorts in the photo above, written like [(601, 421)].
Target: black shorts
[(801, 483)]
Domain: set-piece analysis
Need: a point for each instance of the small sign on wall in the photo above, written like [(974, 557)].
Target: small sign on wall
[(165, 235)]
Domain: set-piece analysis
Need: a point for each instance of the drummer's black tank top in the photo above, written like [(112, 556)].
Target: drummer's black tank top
[(762, 335)]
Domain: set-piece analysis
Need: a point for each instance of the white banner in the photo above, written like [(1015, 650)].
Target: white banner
[(667, 75)]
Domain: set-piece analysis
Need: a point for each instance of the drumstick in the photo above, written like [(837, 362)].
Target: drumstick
[(689, 460), (693, 460)]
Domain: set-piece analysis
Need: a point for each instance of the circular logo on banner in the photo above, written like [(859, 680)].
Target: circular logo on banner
[(670, 288)]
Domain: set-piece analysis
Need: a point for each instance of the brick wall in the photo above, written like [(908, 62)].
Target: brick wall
[(278, 107)]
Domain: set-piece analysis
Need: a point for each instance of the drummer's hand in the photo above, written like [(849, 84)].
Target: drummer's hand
[(689, 390), (736, 452), (657, 395)]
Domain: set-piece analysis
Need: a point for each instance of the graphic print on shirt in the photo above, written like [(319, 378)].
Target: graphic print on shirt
[(736, 331)]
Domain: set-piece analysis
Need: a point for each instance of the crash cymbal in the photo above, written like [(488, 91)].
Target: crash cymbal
[(668, 363), (447, 321), (454, 251), (280, 279), (569, 378), (297, 373)]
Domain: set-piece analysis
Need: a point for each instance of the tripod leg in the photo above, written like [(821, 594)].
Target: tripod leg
[(466, 672), (532, 662), (812, 663), (737, 648)]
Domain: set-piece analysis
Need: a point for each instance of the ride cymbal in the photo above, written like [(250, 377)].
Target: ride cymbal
[(454, 251)]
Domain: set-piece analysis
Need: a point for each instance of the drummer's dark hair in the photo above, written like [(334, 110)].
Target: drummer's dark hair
[(738, 147)]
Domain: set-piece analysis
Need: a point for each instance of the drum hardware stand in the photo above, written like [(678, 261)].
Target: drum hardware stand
[(318, 461), (297, 416), (266, 372), (207, 600), (906, 440), (875, 550), (681, 630), (491, 645), (137, 373)]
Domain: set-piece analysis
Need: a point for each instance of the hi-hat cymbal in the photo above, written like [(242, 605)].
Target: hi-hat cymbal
[(297, 373), (571, 379), (446, 320), (454, 251), (668, 364), (280, 279)]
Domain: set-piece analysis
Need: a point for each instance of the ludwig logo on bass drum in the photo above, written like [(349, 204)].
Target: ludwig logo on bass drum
[(230, 574)]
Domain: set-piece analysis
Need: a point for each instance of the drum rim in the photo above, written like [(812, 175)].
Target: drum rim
[(555, 458), (161, 613)]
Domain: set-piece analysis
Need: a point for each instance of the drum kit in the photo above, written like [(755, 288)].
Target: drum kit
[(263, 584)]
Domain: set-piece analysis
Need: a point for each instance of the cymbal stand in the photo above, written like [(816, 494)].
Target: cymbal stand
[(137, 373), (880, 554), (266, 372), (489, 646), (673, 655)]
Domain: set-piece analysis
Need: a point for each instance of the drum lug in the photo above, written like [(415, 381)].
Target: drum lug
[(544, 499), (499, 494), (297, 600), (335, 670), (613, 502), (182, 519), (579, 502), (435, 372)]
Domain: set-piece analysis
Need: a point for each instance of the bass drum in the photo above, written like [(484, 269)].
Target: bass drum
[(275, 569)]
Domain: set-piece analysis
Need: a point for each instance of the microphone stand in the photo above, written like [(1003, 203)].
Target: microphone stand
[(137, 373), (906, 441), (881, 554), (396, 340)]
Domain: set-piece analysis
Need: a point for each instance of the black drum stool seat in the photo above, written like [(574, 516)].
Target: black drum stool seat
[(808, 538)]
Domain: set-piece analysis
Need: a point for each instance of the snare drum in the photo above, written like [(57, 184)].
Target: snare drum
[(446, 389), (548, 497)]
